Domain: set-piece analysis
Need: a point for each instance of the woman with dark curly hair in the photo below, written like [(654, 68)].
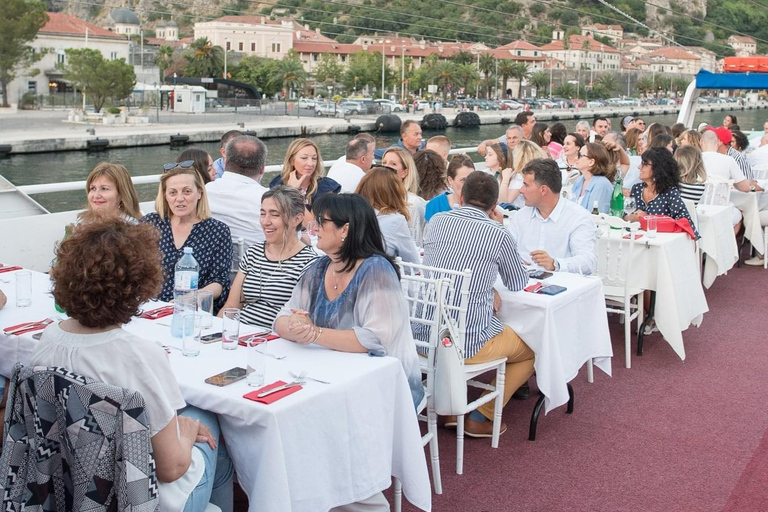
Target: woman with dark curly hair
[(431, 169), (103, 273), (658, 193), (739, 141), (201, 161)]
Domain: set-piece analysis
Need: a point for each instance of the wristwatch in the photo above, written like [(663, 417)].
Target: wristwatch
[(557, 265), (752, 188)]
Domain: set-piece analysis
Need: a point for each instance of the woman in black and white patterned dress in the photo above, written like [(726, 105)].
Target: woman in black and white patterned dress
[(269, 270)]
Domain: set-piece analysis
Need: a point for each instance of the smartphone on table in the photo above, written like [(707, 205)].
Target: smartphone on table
[(540, 274), (227, 377), (210, 338)]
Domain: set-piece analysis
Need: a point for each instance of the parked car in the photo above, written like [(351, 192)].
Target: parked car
[(306, 103), (327, 109), (421, 105), (388, 106), (545, 103), (352, 108), (511, 105)]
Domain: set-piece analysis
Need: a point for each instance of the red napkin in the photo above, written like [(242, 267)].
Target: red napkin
[(666, 224), (32, 326), (255, 339), (154, 314), (274, 397), (9, 269)]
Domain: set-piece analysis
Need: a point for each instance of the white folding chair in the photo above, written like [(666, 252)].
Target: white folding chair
[(690, 205), (716, 192), (614, 261), (238, 250), (425, 303), (454, 318)]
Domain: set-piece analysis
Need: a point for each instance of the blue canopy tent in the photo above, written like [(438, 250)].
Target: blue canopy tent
[(707, 80)]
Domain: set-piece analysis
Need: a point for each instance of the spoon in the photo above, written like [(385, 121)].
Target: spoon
[(303, 375)]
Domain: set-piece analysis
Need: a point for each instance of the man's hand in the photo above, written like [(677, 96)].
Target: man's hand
[(542, 259), (481, 148), (496, 301), (497, 215)]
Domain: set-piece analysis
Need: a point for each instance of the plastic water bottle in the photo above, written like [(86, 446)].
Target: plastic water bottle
[(184, 291)]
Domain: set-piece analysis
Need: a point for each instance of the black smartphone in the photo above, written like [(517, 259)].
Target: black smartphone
[(227, 377), (552, 289), (540, 274), (211, 338)]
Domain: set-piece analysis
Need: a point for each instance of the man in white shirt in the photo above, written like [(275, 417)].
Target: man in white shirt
[(758, 158), (358, 159), (552, 233), (235, 198), (723, 166)]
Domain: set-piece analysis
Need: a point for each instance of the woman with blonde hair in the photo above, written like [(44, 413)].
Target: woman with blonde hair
[(693, 175), (690, 138), (386, 194), (110, 194), (512, 182), (402, 162), (183, 220), (303, 169)]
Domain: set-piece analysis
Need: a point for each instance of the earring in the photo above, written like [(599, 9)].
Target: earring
[(343, 238)]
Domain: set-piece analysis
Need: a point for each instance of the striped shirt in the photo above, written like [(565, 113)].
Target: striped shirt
[(743, 163), (269, 284), (691, 191), (466, 238)]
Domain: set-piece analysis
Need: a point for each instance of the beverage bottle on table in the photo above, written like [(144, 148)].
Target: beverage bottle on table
[(184, 291), (617, 200), (595, 209)]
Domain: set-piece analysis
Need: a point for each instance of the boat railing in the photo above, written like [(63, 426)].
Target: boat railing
[(46, 188)]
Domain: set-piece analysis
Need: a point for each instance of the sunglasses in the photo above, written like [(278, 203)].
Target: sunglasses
[(186, 164), (645, 162), (582, 155)]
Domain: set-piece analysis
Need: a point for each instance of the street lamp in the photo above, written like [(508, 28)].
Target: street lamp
[(383, 59)]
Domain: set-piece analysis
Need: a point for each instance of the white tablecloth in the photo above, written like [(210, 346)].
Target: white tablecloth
[(718, 241), (564, 330), (668, 265), (323, 446), (750, 204)]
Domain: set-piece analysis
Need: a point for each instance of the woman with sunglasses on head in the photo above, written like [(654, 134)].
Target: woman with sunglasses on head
[(200, 160), (386, 194), (303, 169), (351, 299), (595, 183), (183, 219), (269, 270), (658, 193)]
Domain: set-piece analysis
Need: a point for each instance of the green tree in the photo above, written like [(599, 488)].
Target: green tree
[(465, 76), (363, 69), (680, 84), (329, 69), (487, 67), (99, 78), (661, 83), (164, 60), (505, 72), (445, 74), (462, 57), (565, 90), (19, 25), (290, 75), (644, 85), (519, 72), (257, 71), (204, 59), (540, 80), (609, 83)]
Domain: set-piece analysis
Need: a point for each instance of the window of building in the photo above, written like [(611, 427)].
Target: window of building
[(275, 47), (32, 86), (229, 46), (535, 54), (113, 56), (519, 53), (60, 58), (314, 57), (253, 47), (240, 46), (344, 59)]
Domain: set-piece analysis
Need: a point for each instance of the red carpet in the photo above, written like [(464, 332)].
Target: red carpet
[(665, 435)]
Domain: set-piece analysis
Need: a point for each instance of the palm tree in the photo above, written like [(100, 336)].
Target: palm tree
[(487, 66), (505, 71), (289, 75), (540, 80), (565, 90), (466, 75), (445, 73), (644, 85), (204, 59), (609, 83), (164, 60), (519, 72)]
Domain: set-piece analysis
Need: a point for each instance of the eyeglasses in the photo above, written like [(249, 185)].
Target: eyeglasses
[(582, 155), (322, 220), (186, 164), (645, 162)]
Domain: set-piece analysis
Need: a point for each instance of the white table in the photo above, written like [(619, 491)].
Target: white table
[(564, 330), (323, 446), (718, 241), (750, 204), (668, 264)]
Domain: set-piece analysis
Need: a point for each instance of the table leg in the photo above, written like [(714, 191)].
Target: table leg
[(537, 411), (647, 321)]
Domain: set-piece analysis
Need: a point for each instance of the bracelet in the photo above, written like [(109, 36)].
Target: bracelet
[(319, 332)]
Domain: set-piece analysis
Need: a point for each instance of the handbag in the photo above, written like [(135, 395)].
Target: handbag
[(450, 381), (666, 224)]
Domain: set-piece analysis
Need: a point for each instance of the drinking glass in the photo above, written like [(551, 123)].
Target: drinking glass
[(191, 325), (650, 226), (23, 288), (230, 329), (205, 307), (312, 228), (629, 205), (257, 365)]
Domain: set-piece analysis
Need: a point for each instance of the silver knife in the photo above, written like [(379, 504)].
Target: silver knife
[(278, 388)]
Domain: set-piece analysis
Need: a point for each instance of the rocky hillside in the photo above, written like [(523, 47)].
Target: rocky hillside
[(692, 22)]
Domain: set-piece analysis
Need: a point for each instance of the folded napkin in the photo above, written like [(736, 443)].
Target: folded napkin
[(255, 339), (23, 328), (9, 269), (274, 397), (154, 314)]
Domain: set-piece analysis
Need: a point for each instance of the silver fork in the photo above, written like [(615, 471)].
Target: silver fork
[(304, 375), (271, 355)]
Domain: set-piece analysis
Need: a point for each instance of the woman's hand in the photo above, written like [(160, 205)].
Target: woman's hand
[(635, 217), (506, 175), (611, 146), (188, 429), (297, 181), (301, 328), (204, 435)]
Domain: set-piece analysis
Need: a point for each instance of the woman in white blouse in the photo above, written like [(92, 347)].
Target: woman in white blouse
[(386, 194)]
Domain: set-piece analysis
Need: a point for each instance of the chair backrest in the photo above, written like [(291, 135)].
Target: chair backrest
[(614, 253), (717, 193), (238, 250), (63, 433), (760, 173), (691, 206), (455, 299)]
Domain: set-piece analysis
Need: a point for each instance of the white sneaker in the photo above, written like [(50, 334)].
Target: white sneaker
[(755, 261)]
